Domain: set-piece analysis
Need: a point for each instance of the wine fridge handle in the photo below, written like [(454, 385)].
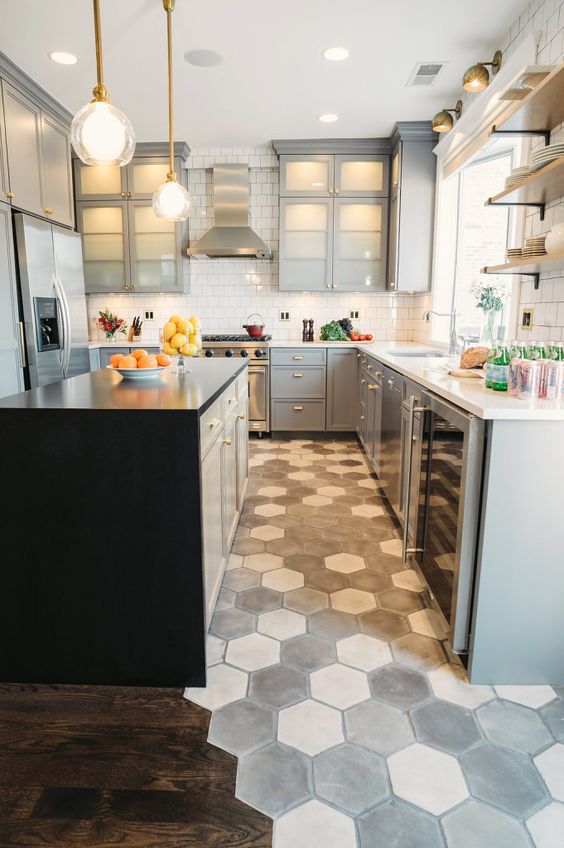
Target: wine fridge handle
[(413, 409)]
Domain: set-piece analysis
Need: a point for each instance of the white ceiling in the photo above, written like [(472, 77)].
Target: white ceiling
[(273, 82)]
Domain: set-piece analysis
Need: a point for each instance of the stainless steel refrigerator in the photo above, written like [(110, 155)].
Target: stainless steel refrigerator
[(53, 304)]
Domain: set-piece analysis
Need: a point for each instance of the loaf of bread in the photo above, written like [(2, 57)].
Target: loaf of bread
[(474, 357)]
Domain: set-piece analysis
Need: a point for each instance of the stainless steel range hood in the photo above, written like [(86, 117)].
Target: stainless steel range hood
[(231, 236)]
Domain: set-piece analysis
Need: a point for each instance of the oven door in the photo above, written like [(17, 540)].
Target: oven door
[(258, 397)]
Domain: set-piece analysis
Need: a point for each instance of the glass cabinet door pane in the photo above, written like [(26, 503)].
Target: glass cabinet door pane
[(101, 180), (359, 245), (104, 248), (306, 251), (307, 177), (154, 250), (145, 178), (361, 175), (306, 217)]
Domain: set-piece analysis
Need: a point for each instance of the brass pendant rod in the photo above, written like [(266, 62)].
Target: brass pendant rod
[(169, 9), (98, 37)]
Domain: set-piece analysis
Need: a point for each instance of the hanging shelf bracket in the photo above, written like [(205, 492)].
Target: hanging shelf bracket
[(534, 274), (545, 133), (539, 206)]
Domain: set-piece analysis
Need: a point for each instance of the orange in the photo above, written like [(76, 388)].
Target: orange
[(139, 352), (115, 359), (163, 360), (128, 362), (147, 361)]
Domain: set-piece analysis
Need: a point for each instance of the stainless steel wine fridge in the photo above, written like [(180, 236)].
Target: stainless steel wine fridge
[(442, 468)]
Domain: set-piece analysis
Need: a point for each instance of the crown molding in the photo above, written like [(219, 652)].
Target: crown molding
[(20, 80), (331, 145), (413, 131)]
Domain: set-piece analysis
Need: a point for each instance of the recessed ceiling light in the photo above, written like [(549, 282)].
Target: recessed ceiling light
[(63, 58), (329, 118), (203, 58), (336, 54)]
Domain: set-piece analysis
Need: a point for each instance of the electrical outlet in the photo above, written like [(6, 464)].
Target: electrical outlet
[(284, 315), (149, 315), (354, 314), (527, 316)]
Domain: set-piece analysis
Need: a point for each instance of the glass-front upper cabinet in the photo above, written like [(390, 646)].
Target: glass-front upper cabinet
[(145, 175), (94, 182), (359, 254), (104, 245), (306, 243), (361, 176), (308, 175), (155, 250)]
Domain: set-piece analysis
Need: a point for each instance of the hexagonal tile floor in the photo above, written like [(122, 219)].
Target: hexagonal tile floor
[(329, 681)]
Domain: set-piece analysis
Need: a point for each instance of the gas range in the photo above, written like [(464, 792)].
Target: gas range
[(236, 345)]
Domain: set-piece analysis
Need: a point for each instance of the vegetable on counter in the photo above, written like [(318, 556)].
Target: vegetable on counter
[(333, 332)]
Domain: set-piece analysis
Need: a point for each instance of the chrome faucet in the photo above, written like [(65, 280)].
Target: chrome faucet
[(453, 343)]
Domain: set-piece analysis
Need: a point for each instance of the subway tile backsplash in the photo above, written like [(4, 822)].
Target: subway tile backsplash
[(224, 292)]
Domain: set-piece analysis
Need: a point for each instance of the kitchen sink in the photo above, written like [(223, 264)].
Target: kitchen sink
[(421, 354)]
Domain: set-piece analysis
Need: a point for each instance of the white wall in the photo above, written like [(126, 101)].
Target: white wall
[(224, 292)]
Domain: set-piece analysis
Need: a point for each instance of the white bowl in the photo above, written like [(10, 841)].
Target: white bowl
[(140, 373)]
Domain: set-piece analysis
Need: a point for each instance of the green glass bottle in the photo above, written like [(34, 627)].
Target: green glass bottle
[(500, 369), (489, 367)]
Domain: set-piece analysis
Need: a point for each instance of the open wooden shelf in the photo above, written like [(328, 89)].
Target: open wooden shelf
[(542, 108), (542, 186), (528, 265)]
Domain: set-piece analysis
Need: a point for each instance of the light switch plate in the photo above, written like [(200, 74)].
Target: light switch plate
[(148, 314), (284, 315), (354, 314), (527, 318)]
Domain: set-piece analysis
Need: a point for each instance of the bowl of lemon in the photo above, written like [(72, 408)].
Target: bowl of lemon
[(181, 338)]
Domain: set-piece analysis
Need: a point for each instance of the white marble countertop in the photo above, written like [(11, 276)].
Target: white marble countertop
[(95, 345), (467, 392)]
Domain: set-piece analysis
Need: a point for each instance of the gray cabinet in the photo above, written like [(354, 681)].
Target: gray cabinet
[(412, 209), (359, 244), (229, 481), (326, 175), (298, 383), (56, 171), (391, 436), (297, 389), (127, 248), (342, 366), (212, 523), (242, 448), (23, 144), (11, 364), (4, 182), (370, 409)]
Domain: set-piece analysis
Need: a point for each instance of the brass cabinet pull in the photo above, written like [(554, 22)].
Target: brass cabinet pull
[(377, 373), (369, 367), (48, 211), (227, 441), (10, 194), (363, 380), (241, 417), (373, 386), (390, 383), (124, 194), (213, 423), (358, 356), (298, 408), (297, 357), (362, 417), (329, 285), (297, 374), (129, 194)]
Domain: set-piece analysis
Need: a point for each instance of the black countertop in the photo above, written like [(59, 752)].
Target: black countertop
[(106, 389)]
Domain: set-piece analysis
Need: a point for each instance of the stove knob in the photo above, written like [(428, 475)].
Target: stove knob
[(229, 353), (209, 352), (244, 353), (259, 354)]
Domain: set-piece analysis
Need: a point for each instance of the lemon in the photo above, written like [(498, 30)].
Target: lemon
[(178, 340), (196, 340), (196, 323), (185, 327), (189, 349), (175, 319), (169, 330), (168, 348)]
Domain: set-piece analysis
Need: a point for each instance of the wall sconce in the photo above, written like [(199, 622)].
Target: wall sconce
[(477, 77), (443, 122)]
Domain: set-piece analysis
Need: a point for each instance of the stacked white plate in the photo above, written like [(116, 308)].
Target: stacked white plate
[(516, 175), (534, 246), (543, 155), (514, 252)]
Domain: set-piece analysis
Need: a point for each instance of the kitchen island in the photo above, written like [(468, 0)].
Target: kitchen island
[(120, 504)]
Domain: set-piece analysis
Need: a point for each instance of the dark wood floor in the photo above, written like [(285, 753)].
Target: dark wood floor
[(97, 766)]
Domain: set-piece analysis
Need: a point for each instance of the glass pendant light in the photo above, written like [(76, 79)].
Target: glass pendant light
[(171, 200), (100, 133)]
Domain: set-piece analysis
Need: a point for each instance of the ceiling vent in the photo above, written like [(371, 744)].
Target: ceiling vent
[(425, 73)]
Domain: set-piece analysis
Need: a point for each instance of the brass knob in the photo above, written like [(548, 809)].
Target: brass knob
[(241, 417), (213, 423), (124, 194), (9, 194), (298, 408), (129, 194), (227, 441), (48, 211)]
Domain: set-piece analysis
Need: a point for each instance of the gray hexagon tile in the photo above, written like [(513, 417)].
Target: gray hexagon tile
[(308, 652), (504, 778), (514, 726), (446, 726), (278, 686), (350, 778), (475, 824), (399, 686), (274, 779), (242, 727), (381, 728)]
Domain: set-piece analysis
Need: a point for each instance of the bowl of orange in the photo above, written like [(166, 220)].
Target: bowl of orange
[(140, 365)]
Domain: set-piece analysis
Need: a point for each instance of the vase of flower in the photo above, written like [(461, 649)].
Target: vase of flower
[(489, 299), (110, 325)]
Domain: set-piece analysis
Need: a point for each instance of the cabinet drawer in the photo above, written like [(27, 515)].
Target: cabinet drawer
[(211, 425), (412, 389), (302, 415), (298, 356), (297, 382)]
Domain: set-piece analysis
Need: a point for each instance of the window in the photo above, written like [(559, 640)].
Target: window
[(470, 236)]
